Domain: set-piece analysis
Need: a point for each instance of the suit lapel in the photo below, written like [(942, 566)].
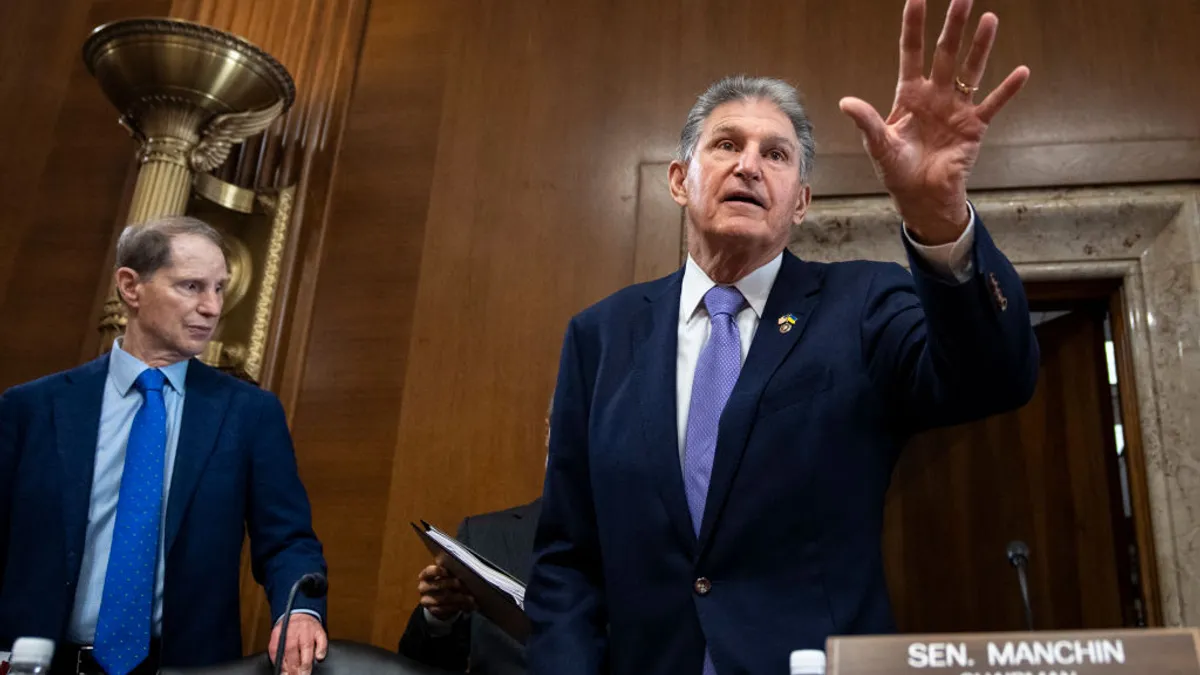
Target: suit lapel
[(794, 293), (204, 407), (655, 332), (77, 428)]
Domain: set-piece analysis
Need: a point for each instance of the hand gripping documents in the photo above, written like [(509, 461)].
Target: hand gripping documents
[(498, 595)]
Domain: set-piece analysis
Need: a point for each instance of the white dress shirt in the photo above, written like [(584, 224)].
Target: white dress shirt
[(952, 261)]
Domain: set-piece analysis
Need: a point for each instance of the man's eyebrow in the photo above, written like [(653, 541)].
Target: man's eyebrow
[(779, 140), (725, 128)]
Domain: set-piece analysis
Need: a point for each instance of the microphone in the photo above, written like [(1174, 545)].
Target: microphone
[(1018, 557), (314, 585)]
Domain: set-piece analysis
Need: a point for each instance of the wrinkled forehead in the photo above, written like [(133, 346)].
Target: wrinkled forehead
[(193, 255), (753, 118)]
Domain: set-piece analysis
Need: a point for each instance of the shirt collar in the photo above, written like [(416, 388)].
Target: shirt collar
[(755, 287), (124, 368)]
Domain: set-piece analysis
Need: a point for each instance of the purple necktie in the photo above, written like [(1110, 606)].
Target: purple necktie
[(716, 372)]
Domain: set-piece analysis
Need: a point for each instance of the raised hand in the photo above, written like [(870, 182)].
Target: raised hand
[(924, 151)]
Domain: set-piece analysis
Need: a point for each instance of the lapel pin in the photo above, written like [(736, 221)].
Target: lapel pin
[(786, 322)]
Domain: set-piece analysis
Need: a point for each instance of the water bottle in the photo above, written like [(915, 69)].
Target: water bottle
[(808, 662), (31, 656)]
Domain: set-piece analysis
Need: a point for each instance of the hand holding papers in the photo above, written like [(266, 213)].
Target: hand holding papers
[(499, 596)]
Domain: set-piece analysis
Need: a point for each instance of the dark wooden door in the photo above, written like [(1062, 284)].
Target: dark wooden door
[(1046, 474)]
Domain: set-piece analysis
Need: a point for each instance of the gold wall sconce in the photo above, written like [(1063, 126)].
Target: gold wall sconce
[(188, 93)]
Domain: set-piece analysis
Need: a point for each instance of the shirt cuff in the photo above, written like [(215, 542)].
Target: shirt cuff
[(440, 627), (953, 261), (309, 612)]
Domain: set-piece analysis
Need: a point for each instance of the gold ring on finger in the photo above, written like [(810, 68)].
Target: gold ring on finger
[(964, 88)]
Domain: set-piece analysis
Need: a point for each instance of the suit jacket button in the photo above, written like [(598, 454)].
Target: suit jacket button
[(702, 586)]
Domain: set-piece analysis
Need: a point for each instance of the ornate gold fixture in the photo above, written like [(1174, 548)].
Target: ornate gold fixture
[(188, 93)]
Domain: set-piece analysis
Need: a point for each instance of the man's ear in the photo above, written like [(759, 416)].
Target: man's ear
[(677, 176), (802, 204), (129, 286)]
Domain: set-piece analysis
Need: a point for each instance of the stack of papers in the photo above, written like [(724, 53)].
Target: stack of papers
[(498, 595), (488, 571)]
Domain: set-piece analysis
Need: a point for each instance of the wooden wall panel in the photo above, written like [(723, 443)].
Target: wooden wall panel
[(357, 351), (36, 56), (1110, 99), (532, 214), (69, 208)]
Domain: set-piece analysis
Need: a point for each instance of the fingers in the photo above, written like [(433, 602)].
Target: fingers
[(451, 602), (443, 594), (291, 654), (431, 573), (912, 41), (445, 607), (985, 35), (869, 122), (441, 599), (1001, 95), (306, 644), (945, 57), (435, 585), (322, 644), (273, 647)]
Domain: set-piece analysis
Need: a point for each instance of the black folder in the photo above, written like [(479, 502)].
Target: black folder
[(499, 596)]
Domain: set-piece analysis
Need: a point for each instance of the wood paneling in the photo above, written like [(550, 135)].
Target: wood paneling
[(36, 56), (1109, 101), (357, 353), (67, 212)]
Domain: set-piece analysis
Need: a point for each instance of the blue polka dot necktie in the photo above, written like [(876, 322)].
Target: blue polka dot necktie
[(127, 605), (717, 372)]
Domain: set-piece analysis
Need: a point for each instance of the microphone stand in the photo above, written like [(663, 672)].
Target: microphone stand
[(1018, 556)]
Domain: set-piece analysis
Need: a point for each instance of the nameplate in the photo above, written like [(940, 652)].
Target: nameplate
[(1144, 651)]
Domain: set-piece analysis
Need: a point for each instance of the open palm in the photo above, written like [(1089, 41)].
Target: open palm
[(924, 151)]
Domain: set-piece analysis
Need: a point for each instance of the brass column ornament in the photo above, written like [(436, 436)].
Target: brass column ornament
[(187, 93)]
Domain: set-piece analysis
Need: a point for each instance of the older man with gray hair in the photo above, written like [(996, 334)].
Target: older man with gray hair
[(127, 485), (723, 437)]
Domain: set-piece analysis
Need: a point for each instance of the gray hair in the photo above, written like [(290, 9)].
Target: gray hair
[(746, 88), (146, 248)]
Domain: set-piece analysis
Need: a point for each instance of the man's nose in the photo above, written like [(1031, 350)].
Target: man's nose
[(749, 165), (210, 304)]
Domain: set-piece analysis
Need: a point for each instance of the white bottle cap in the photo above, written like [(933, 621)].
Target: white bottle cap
[(808, 662), (32, 650)]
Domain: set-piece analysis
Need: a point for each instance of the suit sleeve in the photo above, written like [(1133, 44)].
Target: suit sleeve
[(565, 596), (8, 470), (945, 352), (450, 652), (283, 546)]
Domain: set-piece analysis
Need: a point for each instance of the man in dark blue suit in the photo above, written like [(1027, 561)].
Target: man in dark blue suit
[(723, 438), (127, 485)]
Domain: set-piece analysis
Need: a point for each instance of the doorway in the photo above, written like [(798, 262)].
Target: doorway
[(1063, 475)]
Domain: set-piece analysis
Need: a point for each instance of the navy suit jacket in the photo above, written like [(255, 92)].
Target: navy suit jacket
[(235, 471), (789, 546)]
